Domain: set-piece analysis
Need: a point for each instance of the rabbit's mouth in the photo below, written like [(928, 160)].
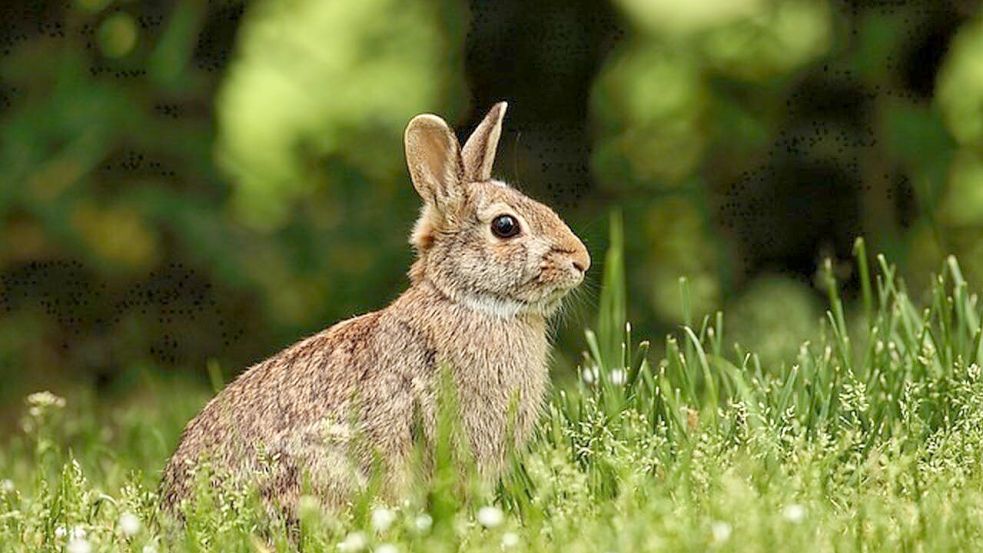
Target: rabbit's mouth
[(554, 281), (550, 302)]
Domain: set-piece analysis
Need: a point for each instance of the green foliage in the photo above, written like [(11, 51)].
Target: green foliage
[(773, 316), (330, 80), (864, 442), (170, 197), (749, 106), (960, 83)]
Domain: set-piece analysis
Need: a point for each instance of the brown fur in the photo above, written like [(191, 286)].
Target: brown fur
[(324, 410)]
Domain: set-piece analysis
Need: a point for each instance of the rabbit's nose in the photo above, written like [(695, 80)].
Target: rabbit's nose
[(580, 257), (573, 249)]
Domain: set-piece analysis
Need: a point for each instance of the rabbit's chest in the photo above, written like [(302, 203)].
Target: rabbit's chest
[(500, 358), (502, 379), (495, 375)]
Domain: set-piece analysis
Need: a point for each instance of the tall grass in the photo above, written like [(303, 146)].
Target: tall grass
[(868, 440)]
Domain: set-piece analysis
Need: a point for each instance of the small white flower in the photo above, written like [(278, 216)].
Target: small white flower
[(45, 399), (382, 519), (60, 531), (78, 532), (78, 545), (589, 374), (721, 531), (149, 548), (129, 523), (794, 513), (510, 540), (618, 377), (490, 516), (7, 486), (386, 548), (423, 522), (355, 541)]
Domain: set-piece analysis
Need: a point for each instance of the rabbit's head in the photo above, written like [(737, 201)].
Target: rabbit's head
[(480, 242)]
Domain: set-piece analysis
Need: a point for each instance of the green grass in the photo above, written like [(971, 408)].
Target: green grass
[(869, 440)]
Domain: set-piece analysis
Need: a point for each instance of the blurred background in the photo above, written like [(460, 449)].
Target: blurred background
[(187, 187)]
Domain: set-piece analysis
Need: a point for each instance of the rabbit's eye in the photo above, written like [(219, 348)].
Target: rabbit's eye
[(505, 226)]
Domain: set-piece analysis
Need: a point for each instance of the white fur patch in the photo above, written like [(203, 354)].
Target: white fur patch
[(491, 305), (504, 308)]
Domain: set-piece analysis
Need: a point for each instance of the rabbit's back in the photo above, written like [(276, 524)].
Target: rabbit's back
[(292, 418)]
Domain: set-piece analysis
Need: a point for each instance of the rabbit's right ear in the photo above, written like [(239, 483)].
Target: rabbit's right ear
[(434, 159), (478, 153)]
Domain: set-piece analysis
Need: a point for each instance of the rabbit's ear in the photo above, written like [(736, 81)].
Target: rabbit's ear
[(479, 151), (434, 159)]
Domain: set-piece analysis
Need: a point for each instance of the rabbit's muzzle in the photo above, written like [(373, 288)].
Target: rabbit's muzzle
[(563, 268), (573, 254)]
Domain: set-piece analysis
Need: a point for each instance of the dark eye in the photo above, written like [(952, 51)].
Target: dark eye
[(505, 226)]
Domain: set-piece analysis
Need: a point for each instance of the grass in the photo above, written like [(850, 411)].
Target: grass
[(866, 441)]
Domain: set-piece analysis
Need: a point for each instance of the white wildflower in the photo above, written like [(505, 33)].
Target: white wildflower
[(129, 524), (423, 522), (590, 375), (7, 486), (721, 531), (386, 548), (794, 513), (355, 541), (149, 548), (490, 516), (78, 545), (45, 399), (78, 532), (382, 519), (618, 377), (510, 540), (60, 532)]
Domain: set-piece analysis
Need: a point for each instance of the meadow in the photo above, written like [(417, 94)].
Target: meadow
[(867, 440)]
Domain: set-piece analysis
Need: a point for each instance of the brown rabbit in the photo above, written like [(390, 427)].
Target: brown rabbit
[(492, 266)]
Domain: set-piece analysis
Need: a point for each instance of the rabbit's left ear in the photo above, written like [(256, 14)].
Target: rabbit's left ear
[(434, 160), (478, 153)]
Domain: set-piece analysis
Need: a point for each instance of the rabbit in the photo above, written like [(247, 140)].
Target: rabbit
[(492, 267)]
